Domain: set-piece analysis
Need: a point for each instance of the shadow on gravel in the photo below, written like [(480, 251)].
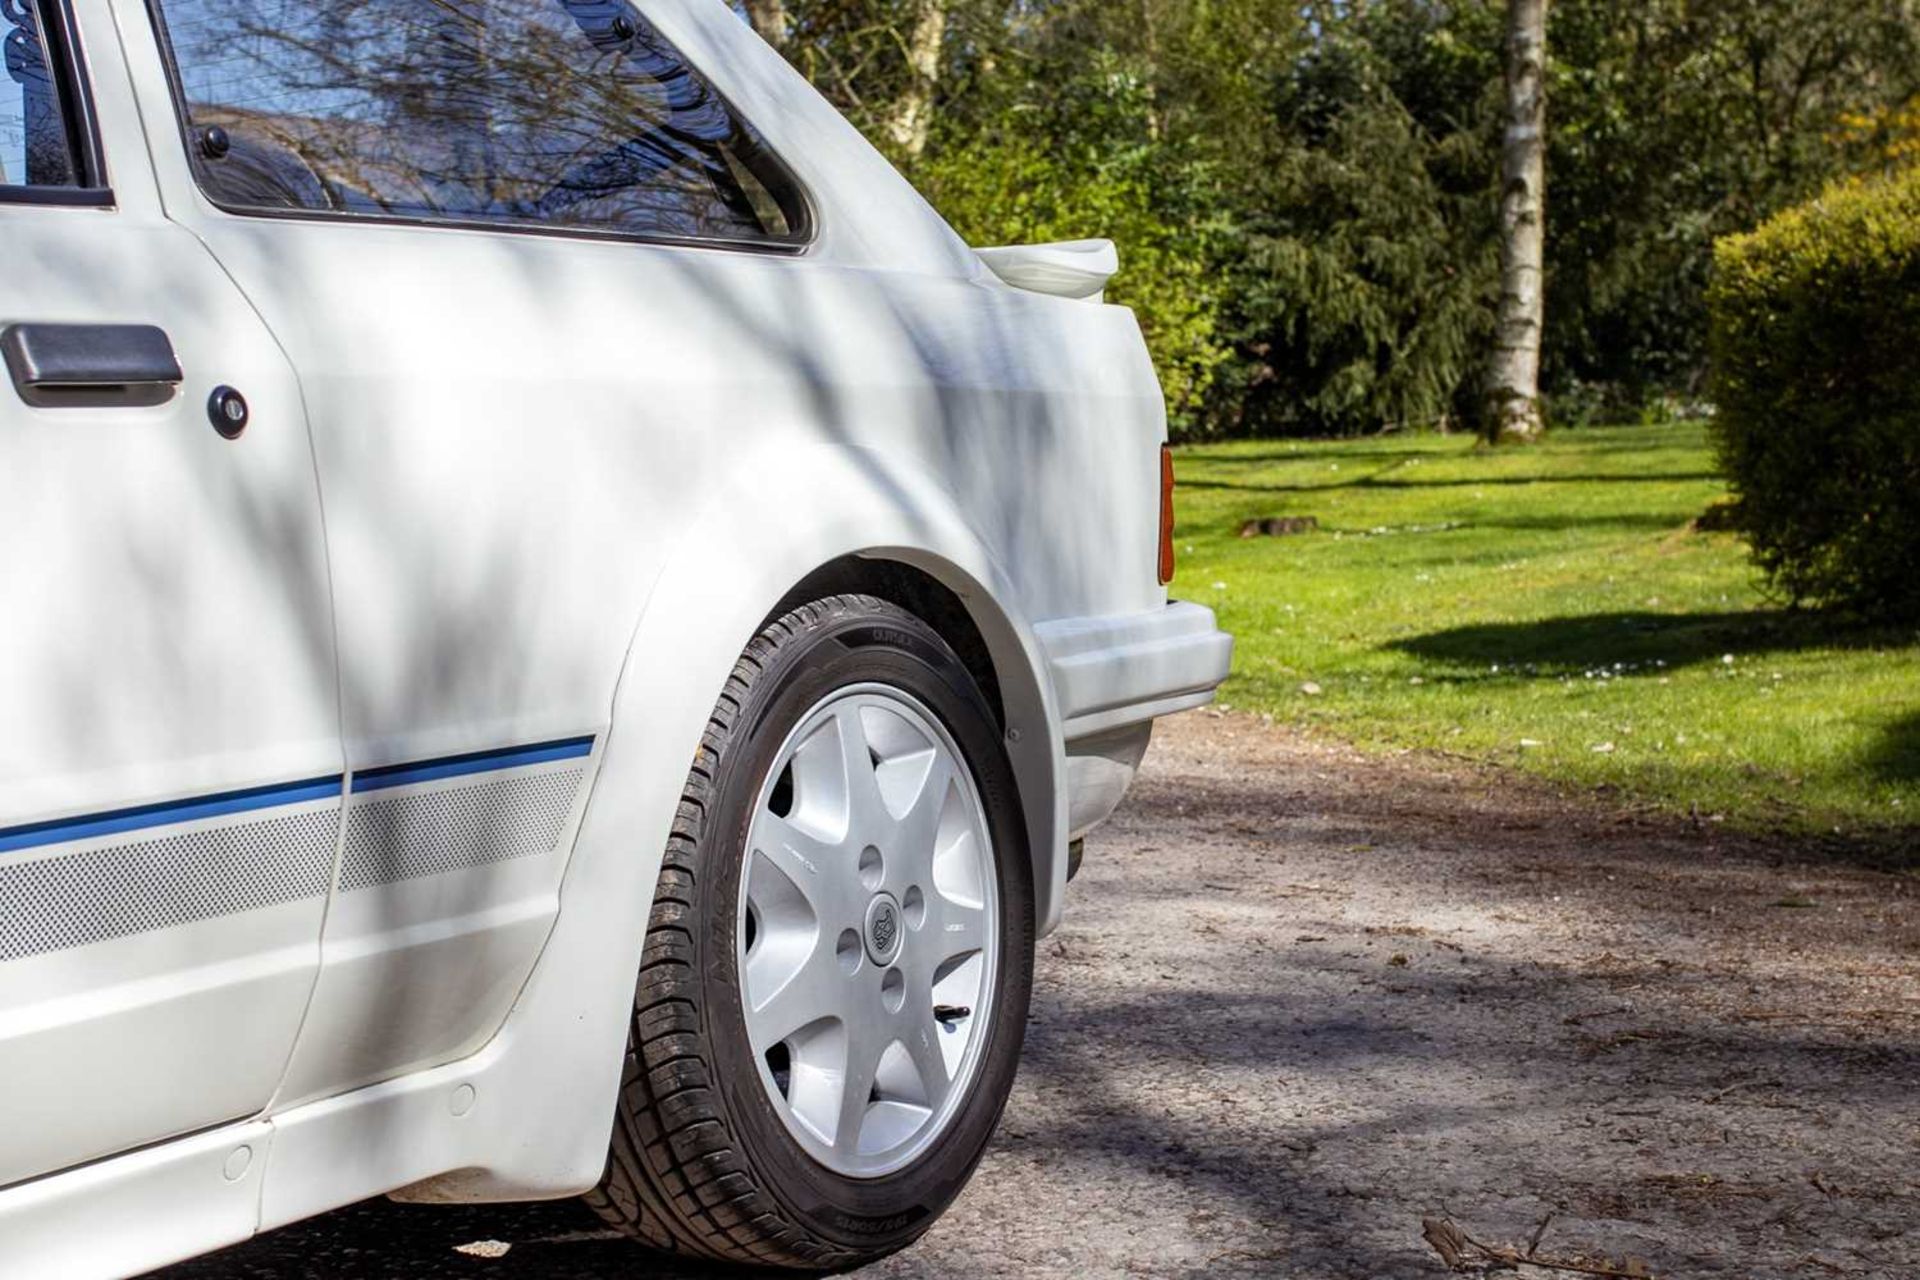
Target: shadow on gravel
[(380, 1240), (1345, 1190), (1217, 1128), (1541, 818), (1260, 1071)]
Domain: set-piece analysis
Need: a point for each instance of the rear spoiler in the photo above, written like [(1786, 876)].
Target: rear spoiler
[(1078, 269)]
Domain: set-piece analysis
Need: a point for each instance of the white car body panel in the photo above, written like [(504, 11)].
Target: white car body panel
[(168, 641), (137, 1212), (561, 483)]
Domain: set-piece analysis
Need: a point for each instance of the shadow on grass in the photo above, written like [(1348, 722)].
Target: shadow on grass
[(1380, 480), (1896, 755), (1211, 453), (1636, 521), (1584, 641), (1315, 452)]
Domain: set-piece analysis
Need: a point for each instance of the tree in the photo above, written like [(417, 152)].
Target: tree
[(1513, 375), (1312, 196), (1674, 123), (769, 18), (1364, 265), (912, 120)]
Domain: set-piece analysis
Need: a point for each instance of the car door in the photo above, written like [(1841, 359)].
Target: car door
[(170, 760)]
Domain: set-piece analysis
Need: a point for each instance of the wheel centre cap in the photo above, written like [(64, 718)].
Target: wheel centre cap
[(883, 929)]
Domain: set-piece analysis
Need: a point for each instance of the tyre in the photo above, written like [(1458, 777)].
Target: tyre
[(834, 988)]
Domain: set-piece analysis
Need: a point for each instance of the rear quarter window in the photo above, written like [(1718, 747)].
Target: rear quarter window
[(36, 142), (561, 114)]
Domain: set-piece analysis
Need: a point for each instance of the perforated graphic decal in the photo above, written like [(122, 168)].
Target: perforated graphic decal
[(113, 892), (428, 833)]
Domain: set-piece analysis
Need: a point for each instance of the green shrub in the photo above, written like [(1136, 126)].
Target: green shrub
[(1815, 343)]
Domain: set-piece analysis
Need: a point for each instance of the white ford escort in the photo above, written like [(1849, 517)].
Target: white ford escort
[(559, 631)]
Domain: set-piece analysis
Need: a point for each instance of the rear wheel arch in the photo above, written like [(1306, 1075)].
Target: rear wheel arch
[(968, 617), (919, 593)]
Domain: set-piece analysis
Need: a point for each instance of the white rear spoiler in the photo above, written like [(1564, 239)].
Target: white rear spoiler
[(1068, 269)]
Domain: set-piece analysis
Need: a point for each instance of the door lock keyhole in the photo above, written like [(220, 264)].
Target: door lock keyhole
[(228, 411)]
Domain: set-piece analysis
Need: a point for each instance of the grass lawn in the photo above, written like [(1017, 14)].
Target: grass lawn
[(1549, 609)]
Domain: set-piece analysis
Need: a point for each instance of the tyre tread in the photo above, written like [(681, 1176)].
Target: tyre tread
[(676, 1180)]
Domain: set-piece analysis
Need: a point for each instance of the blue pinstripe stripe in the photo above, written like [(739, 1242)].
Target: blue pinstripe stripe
[(62, 830), (36, 835), (405, 775)]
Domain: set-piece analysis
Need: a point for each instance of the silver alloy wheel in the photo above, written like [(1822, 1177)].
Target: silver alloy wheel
[(868, 931)]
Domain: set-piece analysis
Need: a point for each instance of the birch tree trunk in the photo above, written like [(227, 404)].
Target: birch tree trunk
[(912, 119), (1150, 43), (1513, 376), (769, 18)]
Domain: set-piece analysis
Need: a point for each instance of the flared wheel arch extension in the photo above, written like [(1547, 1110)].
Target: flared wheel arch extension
[(1008, 681), (920, 594)]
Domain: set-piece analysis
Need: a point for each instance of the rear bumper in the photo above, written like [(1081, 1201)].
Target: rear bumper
[(1112, 677), (1111, 673)]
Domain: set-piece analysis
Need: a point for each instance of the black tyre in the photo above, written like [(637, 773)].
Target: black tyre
[(847, 879)]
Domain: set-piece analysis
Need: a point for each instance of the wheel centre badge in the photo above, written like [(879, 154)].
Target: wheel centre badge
[(883, 929)]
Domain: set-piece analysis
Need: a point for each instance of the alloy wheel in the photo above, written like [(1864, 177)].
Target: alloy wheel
[(867, 934)]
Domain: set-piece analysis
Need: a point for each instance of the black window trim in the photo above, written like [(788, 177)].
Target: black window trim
[(60, 46), (805, 239)]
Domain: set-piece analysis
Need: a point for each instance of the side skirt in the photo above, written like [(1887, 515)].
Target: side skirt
[(135, 1212)]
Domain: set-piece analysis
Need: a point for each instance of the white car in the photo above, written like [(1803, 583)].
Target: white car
[(559, 631)]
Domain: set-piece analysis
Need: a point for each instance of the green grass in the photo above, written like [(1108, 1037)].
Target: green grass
[(1548, 609)]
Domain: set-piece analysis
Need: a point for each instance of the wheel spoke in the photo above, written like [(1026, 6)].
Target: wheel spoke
[(806, 861), (957, 930), (919, 827), (866, 814), (958, 870), (818, 1066), (856, 1093), (959, 997), (929, 1063), (809, 993)]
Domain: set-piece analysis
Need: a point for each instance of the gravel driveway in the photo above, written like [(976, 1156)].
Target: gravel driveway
[(1305, 999)]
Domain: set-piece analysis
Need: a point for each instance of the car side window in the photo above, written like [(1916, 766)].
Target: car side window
[(568, 114), (36, 145)]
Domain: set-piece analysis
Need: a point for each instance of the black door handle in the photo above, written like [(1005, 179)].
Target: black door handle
[(91, 364)]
